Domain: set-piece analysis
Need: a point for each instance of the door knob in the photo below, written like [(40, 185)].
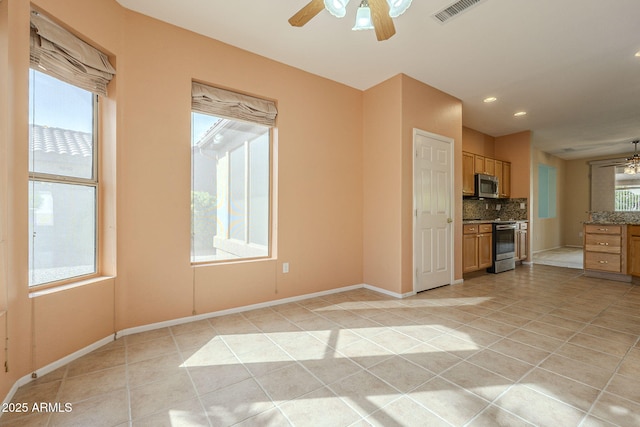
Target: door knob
[(449, 220)]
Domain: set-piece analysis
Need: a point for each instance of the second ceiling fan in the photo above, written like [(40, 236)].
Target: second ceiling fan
[(378, 12)]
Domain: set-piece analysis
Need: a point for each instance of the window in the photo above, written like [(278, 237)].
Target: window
[(231, 174), (230, 189), (66, 77), (546, 191), (627, 191), (63, 182)]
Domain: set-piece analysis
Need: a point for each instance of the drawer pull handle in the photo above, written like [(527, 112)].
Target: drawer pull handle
[(603, 229), (603, 244), (604, 262)]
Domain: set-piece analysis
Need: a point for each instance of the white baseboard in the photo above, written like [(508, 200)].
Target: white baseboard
[(55, 365), (387, 292), (182, 320), (174, 322)]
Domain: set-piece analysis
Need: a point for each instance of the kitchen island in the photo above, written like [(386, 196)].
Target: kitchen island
[(612, 245)]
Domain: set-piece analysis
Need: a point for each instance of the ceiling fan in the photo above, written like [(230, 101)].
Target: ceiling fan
[(376, 14), (632, 163)]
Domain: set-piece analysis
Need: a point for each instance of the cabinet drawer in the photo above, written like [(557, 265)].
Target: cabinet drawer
[(470, 228), (486, 228), (477, 228), (602, 261), (602, 229), (610, 243)]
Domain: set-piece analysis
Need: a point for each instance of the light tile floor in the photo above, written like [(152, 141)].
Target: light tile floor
[(539, 345), (566, 256)]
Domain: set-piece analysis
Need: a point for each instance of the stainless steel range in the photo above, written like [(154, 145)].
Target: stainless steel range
[(504, 246)]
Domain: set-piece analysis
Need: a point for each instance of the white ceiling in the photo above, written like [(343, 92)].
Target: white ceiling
[(570, 64)]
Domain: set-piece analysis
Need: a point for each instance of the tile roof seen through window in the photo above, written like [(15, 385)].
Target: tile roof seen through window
[(60, 141)]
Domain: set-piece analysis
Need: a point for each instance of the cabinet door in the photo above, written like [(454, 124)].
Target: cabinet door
[(468, 168), (484, 250), (506, 179), (633, 255), (521, 245), (499, 175), (490, 166), (479, 164), (469, 253)]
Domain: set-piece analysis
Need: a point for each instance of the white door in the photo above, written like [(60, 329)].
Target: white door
[(432, 188)]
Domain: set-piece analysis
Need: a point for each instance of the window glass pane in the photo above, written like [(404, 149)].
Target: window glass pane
[(62, 226), (259, 191), (230, 189), (61, 128)]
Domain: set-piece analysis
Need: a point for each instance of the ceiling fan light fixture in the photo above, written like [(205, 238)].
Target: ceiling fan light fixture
[(398, 7), (337, 8), (363, 17), (632, 166)]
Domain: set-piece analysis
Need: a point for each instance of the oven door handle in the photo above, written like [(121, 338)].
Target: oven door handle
[(505, 227)]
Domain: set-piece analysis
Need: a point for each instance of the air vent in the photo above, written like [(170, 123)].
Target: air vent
[(455, 9)]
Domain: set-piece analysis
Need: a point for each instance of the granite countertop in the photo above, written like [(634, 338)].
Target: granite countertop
[(621, 218), (618, 222), (490, 221)]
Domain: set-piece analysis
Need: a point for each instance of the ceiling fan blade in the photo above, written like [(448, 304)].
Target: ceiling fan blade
[(382, 22), (305, 14)]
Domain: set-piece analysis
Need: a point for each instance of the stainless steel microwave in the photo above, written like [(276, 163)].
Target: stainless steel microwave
[(486, 186)]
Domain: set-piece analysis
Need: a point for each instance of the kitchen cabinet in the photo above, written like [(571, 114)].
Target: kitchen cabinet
[(478, 164), (522, 241), (468, 168), (605, 248), (484, 165), (633, 250), (475, 163), (476, 243), (505, 181)]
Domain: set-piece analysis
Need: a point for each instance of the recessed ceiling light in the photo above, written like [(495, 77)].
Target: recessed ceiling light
[(638, 54), (520, 114), (490, 99)]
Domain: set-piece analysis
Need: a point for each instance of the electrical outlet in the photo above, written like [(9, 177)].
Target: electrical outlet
[(522, 206), (498, 207), (285, 267), (486, 205)]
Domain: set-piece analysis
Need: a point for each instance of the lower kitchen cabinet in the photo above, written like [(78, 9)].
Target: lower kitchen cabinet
[(633, 250), (605, 250), (476, 243), (522, 241)]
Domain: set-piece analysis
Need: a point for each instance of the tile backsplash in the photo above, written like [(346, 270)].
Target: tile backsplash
[(488, 209)]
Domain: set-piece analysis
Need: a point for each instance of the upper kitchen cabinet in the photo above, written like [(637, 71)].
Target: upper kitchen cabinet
[(475, 163), (484, 165), (505, 181), (468, 170)]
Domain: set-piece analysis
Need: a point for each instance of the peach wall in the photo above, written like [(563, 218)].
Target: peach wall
[(342, 181), (431, 110), (382, 180), (145, 228), (84, 313), (14, 89), (392, 110), (477, 142), (516, 148)]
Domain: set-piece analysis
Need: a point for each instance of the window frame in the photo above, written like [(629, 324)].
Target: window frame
[(70, 180)]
